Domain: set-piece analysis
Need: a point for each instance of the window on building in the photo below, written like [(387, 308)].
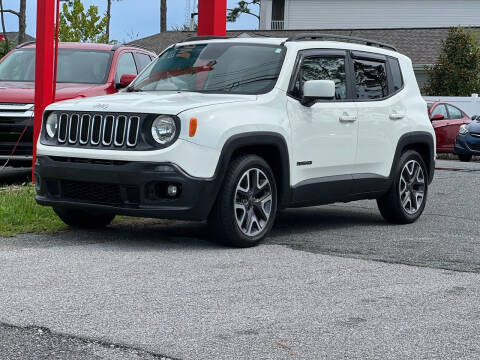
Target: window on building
[(371, 79), (323, 68)]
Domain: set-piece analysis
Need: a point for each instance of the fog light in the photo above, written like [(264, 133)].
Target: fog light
[(172, 190)]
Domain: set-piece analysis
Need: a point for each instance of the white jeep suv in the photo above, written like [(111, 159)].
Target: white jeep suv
[(231, 130)]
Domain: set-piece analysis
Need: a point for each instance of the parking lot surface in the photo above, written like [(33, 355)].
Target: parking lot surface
[(331, 282)]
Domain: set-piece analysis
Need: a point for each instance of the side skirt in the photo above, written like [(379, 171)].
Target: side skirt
[(343, 188)]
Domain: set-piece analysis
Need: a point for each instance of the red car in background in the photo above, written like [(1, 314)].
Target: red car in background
[(84, 70), (446, 120)]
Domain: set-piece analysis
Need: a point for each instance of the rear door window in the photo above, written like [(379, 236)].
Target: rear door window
[(454, 112), (370, 79)]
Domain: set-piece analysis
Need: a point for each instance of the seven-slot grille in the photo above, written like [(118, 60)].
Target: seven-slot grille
[(94, 129)]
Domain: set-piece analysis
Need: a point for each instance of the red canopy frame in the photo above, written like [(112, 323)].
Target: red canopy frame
[(211, 21)]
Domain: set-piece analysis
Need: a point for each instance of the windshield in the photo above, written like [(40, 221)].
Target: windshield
[(74, 66), (214, 67)]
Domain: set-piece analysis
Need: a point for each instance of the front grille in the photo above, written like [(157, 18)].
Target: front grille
[(107, 131), (109, 194), (11, 128), (475, 147)]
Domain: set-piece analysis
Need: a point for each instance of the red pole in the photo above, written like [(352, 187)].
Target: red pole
[(212, 17), (43, 66)]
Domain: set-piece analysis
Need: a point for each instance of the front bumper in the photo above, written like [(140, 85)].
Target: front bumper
[(467, 145), (123, 188)]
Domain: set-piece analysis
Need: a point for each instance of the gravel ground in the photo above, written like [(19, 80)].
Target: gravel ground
[(331, 282)]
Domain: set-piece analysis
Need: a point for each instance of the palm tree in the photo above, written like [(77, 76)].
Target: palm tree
[(163, 15)]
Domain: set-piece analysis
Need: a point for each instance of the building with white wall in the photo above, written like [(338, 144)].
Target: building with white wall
[(367, 14), (415, 27)]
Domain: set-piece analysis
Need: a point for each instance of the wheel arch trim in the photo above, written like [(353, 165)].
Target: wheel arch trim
[(257, 138), (422, 138)]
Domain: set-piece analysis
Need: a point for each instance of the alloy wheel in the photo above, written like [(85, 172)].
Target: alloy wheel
[(253, 202), (412, 187)]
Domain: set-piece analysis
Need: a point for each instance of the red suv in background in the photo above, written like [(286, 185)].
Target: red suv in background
[(84, 70), (446, 120)]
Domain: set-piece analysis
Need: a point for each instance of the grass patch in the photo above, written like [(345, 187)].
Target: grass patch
[(20, 214)]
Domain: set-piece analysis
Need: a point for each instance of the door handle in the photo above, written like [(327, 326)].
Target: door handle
[(348, 118), (396, 116)]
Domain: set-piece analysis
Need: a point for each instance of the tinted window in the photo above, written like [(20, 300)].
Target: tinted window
[(126, 65), (440, 109), (397, 79), (454, 112), (214, 68), (74, 66), (371, 79), (142, 61), (323, 68)]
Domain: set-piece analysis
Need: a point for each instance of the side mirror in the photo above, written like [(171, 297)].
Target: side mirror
[(125, 80), (314, 90), (437, 117), (476, 117)]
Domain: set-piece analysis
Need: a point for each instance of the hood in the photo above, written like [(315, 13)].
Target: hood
[(24, 92), (154, 102)]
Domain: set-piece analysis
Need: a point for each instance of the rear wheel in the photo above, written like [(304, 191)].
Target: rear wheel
[(465, 158), (406, 199), (82, 219), (246, 206)]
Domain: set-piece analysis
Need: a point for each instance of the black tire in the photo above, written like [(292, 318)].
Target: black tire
[(222, 221), (465, 158), (82, 219), (390, 205)]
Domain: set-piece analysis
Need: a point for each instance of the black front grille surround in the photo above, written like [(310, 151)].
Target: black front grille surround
[(105, 131), (474, 147)]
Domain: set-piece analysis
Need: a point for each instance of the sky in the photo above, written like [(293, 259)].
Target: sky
[(131, 19)]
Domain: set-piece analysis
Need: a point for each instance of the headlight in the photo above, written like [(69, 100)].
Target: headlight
[(52, 125), (164, 130), (463, 130)]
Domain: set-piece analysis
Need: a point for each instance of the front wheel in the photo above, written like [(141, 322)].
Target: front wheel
[(82, 219), (406, 199), (246, 206), (465, 158)]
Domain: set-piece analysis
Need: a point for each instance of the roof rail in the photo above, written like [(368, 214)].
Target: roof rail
[(25, 44), (201, 38), (303, 37)]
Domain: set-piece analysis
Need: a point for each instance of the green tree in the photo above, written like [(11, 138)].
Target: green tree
[(457, 71), (78, 25), (243, 7), (5, 47)]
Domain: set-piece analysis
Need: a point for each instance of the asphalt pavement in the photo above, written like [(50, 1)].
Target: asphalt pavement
[(331, 282)]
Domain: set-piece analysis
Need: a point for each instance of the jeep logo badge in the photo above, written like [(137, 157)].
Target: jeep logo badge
[(101, 106)]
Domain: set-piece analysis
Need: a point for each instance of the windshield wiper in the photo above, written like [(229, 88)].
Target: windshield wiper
[(132, 89), (235, 84)]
